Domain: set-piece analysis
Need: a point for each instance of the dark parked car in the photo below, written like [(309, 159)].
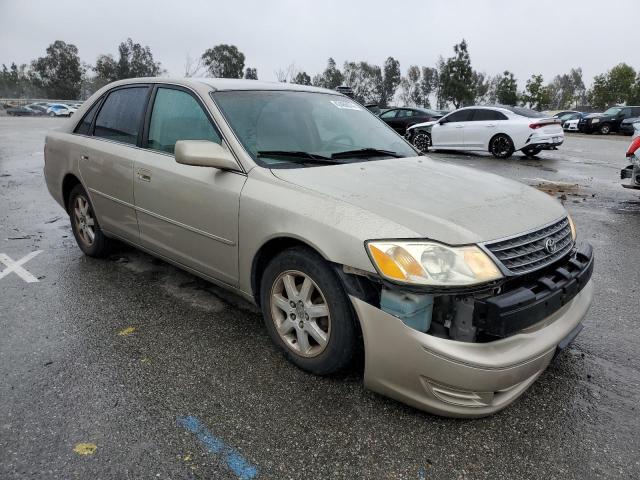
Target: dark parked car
[(402, 118), (38, 107), (626, 126), (609, 121), (22, 112)]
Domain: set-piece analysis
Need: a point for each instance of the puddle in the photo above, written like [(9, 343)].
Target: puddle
[(562, 190)]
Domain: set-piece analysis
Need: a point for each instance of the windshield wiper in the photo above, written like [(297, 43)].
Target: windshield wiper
[(366, 152), (295, 156)]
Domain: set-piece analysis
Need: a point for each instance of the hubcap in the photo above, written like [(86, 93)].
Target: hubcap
[(83, 217), (500, 146), (300, 313)]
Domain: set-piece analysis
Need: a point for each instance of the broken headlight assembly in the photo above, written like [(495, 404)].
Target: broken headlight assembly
[(427, 263)]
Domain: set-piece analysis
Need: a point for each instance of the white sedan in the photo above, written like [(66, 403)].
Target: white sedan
[(500, 130), (60, 110)]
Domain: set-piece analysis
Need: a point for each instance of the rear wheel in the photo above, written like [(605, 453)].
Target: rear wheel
[(605, 129), (501, 146), (307, 312), (85, 225)]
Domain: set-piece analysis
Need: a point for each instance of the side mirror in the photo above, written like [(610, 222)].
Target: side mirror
[(204, 153)]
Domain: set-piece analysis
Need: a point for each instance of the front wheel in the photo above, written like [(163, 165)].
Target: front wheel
[(501, 146), (605, 129), (422, 141), (307, 312)]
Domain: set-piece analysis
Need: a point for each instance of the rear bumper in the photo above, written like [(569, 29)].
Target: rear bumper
[(460, 379), (545, 140)]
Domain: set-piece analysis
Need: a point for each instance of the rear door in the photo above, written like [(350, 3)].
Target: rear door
[(390, 118), (106, 157), (186, 213), (448, 132), (484, 124)]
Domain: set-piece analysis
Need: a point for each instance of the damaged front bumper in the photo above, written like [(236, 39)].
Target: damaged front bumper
[(467, 379), (632, 172)]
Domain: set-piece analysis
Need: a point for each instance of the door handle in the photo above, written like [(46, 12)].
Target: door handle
[(459, 126), (491, 125), (144, 175), (84, 157)]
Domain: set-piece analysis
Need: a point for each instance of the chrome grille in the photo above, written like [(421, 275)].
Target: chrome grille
[(529, 252)]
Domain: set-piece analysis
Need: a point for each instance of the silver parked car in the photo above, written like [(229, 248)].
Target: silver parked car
[(460, 286)]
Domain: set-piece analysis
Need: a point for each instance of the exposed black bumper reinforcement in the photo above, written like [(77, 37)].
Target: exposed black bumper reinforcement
[(506, 314)]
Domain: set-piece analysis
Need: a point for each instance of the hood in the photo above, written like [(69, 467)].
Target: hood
[(436, 200), (423, 124)]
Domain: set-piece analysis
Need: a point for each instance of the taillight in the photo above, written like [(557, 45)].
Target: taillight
[(635, 145), (536, 125)]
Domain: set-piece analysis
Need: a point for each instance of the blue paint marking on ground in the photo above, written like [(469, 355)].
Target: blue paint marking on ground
[(235, 461)]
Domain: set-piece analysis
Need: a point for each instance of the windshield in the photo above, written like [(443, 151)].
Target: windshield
[(309, 127), (612, 111)]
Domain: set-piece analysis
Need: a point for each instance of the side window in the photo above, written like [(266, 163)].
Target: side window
[(460, 116), (389, 114), (177, 116), (626, 113), (483, 114), (84, 127), (121, 115)]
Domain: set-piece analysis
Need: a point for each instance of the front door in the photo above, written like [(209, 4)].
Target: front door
[(448, 132), (186, 213)]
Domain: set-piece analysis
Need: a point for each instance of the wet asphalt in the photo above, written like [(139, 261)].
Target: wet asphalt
[(170, 377)]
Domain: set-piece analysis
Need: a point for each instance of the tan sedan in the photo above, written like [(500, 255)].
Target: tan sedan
[(459, 286)]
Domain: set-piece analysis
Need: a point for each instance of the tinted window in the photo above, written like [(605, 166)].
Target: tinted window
[(84, 127), (404, 113), (121, 115), (389, 114), (177, 116), (525, 112), (460, 116), (483, 114)]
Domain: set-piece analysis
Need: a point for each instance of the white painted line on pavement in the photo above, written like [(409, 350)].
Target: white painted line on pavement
[(16, 267)]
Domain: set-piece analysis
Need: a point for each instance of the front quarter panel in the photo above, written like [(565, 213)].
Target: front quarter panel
[(272, 208)]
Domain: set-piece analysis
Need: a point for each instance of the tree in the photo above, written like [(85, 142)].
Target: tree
[(390, 80), (536, 95), (616, 86), (429, 82), (302, 78), (567, 89), (456, 77), (481, 84), (331, 77), (193, 67), (59, 73), (16, 82), (365, 80), (134, 60), (410, 87), (224, 61), (251, 73), (286, 74), (507, 89), (600, 95)]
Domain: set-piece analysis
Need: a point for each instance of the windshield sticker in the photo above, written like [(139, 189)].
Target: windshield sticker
[(345, 105)]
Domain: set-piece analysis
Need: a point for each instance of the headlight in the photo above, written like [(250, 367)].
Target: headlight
[(595, 120), (430, 263), (574, 234)]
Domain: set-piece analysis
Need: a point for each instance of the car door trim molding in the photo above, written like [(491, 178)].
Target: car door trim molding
[(163, 218)]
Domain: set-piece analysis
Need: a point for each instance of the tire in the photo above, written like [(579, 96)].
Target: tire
[(84, 224), (51, 114), (605, 129), (531, 151), (422, 141), (501, 146), (320, 344)]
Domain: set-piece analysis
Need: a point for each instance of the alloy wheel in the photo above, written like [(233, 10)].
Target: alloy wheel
[(84, 220), (422, 142), (300, 313)]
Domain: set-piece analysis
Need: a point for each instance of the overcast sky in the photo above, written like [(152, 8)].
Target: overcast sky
[(525, 37)]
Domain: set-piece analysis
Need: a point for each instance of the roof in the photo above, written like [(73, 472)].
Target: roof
[(240, 84)]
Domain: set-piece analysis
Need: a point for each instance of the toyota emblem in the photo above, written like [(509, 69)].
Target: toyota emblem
[(550, 245)]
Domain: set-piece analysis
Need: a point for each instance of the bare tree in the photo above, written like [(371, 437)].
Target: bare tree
[(286, 75), (193, 67)]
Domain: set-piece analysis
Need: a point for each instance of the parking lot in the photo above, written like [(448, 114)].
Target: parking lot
[(163, 375)]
